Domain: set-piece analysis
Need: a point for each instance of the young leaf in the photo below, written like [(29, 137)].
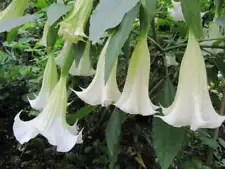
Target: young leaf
[(55, 11), (118, 39), (167, 140), (192, 16), (12, 34), (108, 14)]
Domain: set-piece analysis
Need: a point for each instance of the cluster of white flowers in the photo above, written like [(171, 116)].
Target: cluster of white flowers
[(192, 105)]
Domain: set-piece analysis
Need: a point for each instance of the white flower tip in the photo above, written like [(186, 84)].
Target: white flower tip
[(23, 131)]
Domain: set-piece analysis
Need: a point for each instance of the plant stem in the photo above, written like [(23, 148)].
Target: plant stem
[(154, 34), (215, 133), (184, 45)]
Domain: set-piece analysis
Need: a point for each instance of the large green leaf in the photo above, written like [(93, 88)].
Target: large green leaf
[(83, 112), (167, 140), (192, 16), (113, 132), (118, 39), (108, 14), (9, 24), (55, 11)]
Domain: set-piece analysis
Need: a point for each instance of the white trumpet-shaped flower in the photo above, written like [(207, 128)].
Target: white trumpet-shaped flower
[(176, 12), (135, 95), (64, 52), (192, 105), (72, 27), (98, 92), (14, 10), (51, 122), (49, 81), (84, 67)]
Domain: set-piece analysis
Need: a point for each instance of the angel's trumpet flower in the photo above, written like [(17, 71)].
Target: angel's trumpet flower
[(135, 96), (51, 122), (49, 81), (176, 11), (14, 10), (84, 67), (98, 92), (72, 27), (192, 105)]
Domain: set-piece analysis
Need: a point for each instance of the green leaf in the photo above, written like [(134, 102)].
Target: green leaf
[(167, 140), (221, 21), (147, 12), (212, 143), (169, 93), (78, 51), (113, 131), (41, 4), (12, 34), (108, 14), (118, 39), (83, 112), (8, 24), (52, 35), (55, 11), (191, 11)]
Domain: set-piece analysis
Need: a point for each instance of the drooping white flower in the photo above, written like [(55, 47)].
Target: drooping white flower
[(84, 67), (14, 10), (51, 122), (176, 11), (64, 52), (43, 41), (192, 105), (49, 81), (72, 27), (98, 92), (135, 95)]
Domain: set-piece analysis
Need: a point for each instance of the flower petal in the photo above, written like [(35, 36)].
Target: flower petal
[(135, 98), (24, 131)]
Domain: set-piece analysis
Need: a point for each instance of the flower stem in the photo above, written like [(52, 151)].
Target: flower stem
[(68, 61), (215, 133)]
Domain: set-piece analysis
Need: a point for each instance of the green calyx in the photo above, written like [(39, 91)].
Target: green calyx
[(68, 60)]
